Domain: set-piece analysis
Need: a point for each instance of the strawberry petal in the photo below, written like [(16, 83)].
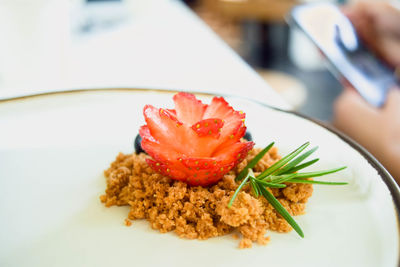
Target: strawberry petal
[(202, 163), (159, 151), (205, 171), (219, 108), (144, 132), (188, 108), (208, 127), (170, 114), (235, 151), (233, 138), (233, 120), (167, 129), (165, 170)]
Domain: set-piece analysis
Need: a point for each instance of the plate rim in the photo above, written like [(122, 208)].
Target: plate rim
[(387, 178)]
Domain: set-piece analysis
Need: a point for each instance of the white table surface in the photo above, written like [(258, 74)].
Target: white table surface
[(165, 47)]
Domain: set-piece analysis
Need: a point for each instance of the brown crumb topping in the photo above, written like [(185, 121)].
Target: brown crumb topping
[(199, 212), (128, 222)]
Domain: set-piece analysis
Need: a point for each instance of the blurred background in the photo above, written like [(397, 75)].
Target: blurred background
[(258, 31), (67, 44)]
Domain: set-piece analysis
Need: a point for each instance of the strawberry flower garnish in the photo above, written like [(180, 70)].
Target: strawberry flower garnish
[(194, 143)]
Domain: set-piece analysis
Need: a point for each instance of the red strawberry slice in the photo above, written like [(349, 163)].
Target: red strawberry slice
[(188, 108), (166, 129), (170, 114), (166, 170), (233, 120), (208, 127), (237, 151), (194, 143), (199, 163), (233, 128)]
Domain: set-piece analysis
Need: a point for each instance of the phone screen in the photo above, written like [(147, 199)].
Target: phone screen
[(349, 58)]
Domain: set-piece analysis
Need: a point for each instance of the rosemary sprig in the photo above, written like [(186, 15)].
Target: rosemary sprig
[(253, 162), (281, 172)]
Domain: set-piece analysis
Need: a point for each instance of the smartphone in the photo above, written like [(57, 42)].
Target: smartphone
[(349, 59)]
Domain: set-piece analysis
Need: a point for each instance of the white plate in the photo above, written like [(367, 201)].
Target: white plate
[(54, 148)]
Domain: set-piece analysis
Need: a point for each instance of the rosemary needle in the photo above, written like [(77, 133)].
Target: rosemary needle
[(282, 161), (249, 172), (302, 166), (301, 181), (281, 210), (253, 162), (317, 173), (254, 187), (288, 167)]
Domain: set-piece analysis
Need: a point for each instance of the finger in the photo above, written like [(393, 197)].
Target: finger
[(392, 104), (369, 20), (353, 11), (354, 117), (348, 10), (386, 17), (352, 104), (389, 47), (346, 84)]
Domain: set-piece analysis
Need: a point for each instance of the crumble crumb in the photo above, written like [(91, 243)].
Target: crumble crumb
[(128, 222)]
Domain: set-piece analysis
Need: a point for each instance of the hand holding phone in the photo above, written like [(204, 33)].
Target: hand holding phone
[(349, 58)]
